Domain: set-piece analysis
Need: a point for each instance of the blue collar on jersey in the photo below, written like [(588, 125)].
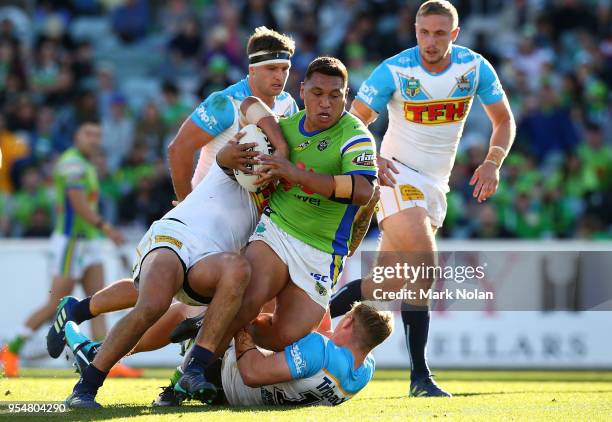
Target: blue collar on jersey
[(304, 132)]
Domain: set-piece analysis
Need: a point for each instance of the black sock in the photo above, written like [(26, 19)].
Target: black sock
[(91, 380), (199, 358), (416, 328), (81, 311), (342, 301)]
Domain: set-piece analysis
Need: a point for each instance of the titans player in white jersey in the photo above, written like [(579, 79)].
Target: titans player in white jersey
[(428, 91), (216, 120), (181, 256)]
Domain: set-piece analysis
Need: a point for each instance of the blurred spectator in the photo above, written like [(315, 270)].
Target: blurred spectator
[(130, 21), (188, 41), (554, 59), (173, 110), (14, 148), (33, 199), (117, 133), (547, 127), (256, 13), (173, 14), (151, 133)]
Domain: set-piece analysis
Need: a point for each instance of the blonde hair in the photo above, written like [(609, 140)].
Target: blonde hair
[(372, 326), (439, 7)]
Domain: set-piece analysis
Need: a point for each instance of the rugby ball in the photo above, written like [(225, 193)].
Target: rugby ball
[(253, 134)]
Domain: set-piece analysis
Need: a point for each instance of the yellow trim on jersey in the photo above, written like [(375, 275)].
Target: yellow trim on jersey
[(342, 390), (366, 144)]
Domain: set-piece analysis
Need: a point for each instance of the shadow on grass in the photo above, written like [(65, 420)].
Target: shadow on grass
[(116, 412), (491, 393), (505, 376)]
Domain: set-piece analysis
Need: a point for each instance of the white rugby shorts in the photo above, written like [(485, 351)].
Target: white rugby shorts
[(413, 189), (71, 256), (311, 269), (176, 236)]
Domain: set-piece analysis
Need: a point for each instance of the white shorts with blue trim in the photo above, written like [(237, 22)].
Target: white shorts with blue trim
[(311, 269), (71, 256)]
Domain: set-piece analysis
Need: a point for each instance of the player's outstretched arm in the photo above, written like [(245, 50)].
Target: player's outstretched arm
[(256, 368), (254, 111), (486, 177), (349, 189), (78, 201), (189, 139)]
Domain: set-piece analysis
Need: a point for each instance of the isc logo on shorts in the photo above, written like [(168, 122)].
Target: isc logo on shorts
[(437, 112)]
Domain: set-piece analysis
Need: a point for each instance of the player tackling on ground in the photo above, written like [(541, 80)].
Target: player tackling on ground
[(428, 91), (298, 248)]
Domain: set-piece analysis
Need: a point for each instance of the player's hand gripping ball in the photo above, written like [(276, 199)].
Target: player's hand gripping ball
[(253, 134)]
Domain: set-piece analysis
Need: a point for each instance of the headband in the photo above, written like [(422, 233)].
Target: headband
[(269, 57)]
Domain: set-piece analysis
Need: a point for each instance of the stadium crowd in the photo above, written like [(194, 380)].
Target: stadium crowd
[(141, 67)]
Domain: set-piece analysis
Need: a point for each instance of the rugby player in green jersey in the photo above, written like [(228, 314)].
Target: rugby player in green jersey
[(75, 243), (298, 248)]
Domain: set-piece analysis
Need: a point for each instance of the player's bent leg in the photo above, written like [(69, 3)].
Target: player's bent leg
[(122, 294), (158, 335), (224, 277), (119, 295), (161, 276), (296, 315), (269, 275), (61, 286), (407, 237), (266, 281)]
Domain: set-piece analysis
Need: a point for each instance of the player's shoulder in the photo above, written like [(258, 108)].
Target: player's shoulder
[(284, 96), (405, 58), (238, 91), (463, 55), (339, 363), (351, 126), (71, 156), (293, 119)]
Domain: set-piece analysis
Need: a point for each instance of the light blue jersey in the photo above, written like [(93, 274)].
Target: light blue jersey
[(427, 111), (322, 374), (218, 115)]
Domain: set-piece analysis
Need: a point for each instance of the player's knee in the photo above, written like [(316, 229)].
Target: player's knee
[(237, 273), (151, 310)]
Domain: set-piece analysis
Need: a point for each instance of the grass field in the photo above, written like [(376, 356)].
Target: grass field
[(479, 395)]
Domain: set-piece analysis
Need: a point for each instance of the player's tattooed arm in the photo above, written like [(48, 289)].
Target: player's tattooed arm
[(362, 221), (255, 111)]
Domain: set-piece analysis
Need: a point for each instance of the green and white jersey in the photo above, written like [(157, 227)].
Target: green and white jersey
[(346, 148), (74, 171)]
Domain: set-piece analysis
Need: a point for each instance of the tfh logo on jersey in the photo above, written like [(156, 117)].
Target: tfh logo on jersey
[(437, 112)]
